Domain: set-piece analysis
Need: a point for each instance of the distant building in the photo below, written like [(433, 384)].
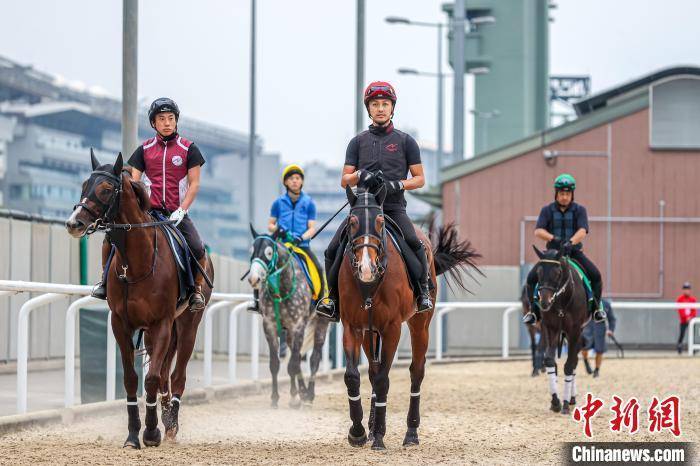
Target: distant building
[(46, 132)]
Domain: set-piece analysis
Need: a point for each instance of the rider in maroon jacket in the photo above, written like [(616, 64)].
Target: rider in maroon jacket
[(170, 165)]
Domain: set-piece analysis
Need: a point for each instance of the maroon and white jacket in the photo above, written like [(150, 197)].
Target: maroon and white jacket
[(165, 164)]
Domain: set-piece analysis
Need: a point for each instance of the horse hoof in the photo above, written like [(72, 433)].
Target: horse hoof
[(411, 437), (573, 401), (556, 404), (565, 408), (151, 438), (378, 443), (132, 442), (171, 432), (357, 440)]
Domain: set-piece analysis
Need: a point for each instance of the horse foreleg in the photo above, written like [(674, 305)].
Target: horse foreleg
[(273, 343), (294, 366), (160, 338), (550, 363), (419, 328), (352, 339), (570, 373), (371, 374), (131, 381), (390, 341)]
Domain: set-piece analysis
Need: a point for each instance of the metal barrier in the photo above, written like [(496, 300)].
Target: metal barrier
[(52, 292)]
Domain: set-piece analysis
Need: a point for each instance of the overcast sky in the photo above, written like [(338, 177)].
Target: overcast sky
[(197, 52)]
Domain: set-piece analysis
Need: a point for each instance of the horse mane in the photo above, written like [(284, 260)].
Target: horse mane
[(140, 190)]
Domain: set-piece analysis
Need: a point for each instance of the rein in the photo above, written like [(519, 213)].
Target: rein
[(562, 289)]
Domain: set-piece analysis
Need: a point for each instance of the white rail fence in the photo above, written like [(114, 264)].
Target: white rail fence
[(234, 303)]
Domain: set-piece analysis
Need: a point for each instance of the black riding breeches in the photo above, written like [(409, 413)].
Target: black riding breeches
[(191, 235), (400, 217), (591, 271)]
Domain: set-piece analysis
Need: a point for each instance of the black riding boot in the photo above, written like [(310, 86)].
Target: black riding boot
[(424, 302), (328, 306), (100, 290), (532, 315), (599, 314), (255, 307)]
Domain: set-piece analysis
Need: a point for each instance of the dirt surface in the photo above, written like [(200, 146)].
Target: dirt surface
[(476, 413)]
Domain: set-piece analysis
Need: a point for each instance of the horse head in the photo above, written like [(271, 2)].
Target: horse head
[(263, 258), (366, 233), (552, 276), (99, 199)]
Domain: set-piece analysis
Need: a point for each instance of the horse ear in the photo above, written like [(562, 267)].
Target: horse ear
[(539, 253), (93, 159), (252, 231), (118, 165), (351, 195), (381, 195)]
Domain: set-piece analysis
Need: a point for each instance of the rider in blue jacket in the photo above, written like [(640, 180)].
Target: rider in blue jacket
[(293, 218)]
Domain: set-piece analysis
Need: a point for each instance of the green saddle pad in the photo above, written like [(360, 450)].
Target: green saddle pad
[(584, 277)]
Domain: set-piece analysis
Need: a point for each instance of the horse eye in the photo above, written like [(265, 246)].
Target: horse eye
[(268, 252)]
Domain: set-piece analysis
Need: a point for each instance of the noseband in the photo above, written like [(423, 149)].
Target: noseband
[(110, 208), (356, 245)]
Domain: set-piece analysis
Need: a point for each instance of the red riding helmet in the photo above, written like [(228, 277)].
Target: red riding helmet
[(380, 90)]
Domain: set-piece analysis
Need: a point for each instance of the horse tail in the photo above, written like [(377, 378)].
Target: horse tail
[(452, 255), (309, 335)]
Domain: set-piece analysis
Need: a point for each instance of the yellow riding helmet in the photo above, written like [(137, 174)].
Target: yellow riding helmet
[(290, 170)]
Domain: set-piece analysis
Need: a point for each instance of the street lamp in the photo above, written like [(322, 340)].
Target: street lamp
[(439, 75)]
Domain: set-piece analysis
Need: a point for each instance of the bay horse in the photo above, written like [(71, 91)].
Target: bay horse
[(142, 292), (285, 303), (564, 309), (375, 298)]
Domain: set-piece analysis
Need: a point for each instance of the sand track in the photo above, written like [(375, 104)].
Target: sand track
[(473, 413)]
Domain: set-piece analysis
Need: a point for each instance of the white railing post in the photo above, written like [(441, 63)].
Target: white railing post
[(69, 357), (326, 360), (505, 335), (111, 391), (233, 340), (23, 344), (209, 338), (691, 335), (339, 345), (254, 347)]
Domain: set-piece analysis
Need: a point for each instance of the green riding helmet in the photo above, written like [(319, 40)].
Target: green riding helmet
[(565, 182)]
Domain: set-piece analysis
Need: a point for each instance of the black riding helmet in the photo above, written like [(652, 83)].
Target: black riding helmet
[(161, 105)]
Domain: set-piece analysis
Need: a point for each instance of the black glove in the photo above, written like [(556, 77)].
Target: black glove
[(566, 248), (280, 233), (555, 242), (296, 241), (393, 187), (368, 180)]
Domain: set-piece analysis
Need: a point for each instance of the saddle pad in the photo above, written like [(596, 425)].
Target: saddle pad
[(582, 274), (313, 275)]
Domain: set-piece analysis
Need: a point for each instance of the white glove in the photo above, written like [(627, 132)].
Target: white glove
[(178, 215)]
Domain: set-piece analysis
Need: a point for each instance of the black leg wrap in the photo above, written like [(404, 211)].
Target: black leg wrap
[(413, 418), (132, 441)]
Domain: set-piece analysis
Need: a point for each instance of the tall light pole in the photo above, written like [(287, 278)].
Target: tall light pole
[(360, 66), (251, 136), (130, 124), (458, 23), (439, 75)]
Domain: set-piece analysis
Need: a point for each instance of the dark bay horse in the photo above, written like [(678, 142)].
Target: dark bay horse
[(285, 302), (375, 298), (142, 294), (564, 308)]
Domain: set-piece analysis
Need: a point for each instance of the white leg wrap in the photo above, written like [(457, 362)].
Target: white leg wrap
[(380, 405), (573, 386), (568, 386), (552, 374), (354, 398), (151, 405), (415, 394), (175, 400), (132, 403)]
